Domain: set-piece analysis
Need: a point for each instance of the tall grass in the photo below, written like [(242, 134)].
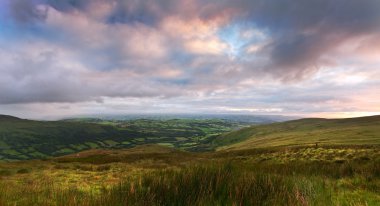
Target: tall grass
[(212, 184)]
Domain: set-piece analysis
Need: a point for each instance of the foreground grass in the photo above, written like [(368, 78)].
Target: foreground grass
[(217, 184), (213, 185), (252, 177)]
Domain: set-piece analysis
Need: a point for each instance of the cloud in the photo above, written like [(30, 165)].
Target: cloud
[(303, 33), (24, 11), (92, 51)]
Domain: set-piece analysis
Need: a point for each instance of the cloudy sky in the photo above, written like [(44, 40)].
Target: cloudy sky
[(285, 57)]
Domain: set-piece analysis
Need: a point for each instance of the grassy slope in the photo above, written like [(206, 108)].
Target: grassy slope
[(353, 131), (24, 139), (132, 155)]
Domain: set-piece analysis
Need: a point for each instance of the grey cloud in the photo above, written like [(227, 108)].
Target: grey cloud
[(303, 31), (126, 11), (66, 6), (46, 79), (300, 32), (25, 11)]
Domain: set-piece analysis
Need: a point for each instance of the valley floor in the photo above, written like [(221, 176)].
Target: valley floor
[(156, 175)]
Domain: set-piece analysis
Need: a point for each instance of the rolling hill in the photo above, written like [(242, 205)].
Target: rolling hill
[(22, 139), (26, 139), (351, 131)]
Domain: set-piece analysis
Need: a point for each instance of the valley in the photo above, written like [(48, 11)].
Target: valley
[(26, 139)]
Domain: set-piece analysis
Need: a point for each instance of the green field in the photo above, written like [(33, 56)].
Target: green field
[(303, 162), (25, 139)]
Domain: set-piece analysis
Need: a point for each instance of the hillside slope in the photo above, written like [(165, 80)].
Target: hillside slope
[(26, 139), (352, 131)]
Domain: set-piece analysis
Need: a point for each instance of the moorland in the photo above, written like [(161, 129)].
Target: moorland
[(190, 162)]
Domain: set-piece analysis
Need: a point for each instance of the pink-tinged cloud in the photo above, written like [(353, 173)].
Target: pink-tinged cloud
[(318, 57)]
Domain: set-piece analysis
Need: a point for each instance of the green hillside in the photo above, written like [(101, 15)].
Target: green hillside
[(26, 139), (352, 131)]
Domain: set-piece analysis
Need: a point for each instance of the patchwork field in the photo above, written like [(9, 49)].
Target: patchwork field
[(25, 139)]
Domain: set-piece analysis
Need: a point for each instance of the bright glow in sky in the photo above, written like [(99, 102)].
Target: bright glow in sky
[(292, 57)]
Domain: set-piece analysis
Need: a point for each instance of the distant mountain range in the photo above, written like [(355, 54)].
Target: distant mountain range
[(258, 119)]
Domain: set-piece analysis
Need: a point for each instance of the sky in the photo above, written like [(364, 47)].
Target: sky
[(315, 58)]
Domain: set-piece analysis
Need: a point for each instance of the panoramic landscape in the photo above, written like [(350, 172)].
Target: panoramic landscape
[(189, 102)]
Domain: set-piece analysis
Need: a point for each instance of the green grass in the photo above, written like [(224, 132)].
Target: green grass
[(111, 142), (92, 145), (79, 147), (126, 142), (65, 151), (354, 131), (166, 144), (11, 152)]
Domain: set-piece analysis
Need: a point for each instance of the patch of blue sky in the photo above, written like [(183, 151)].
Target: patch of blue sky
[(6, 31), (239, 36), (11, 31), (231, 34), (3, 20)]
